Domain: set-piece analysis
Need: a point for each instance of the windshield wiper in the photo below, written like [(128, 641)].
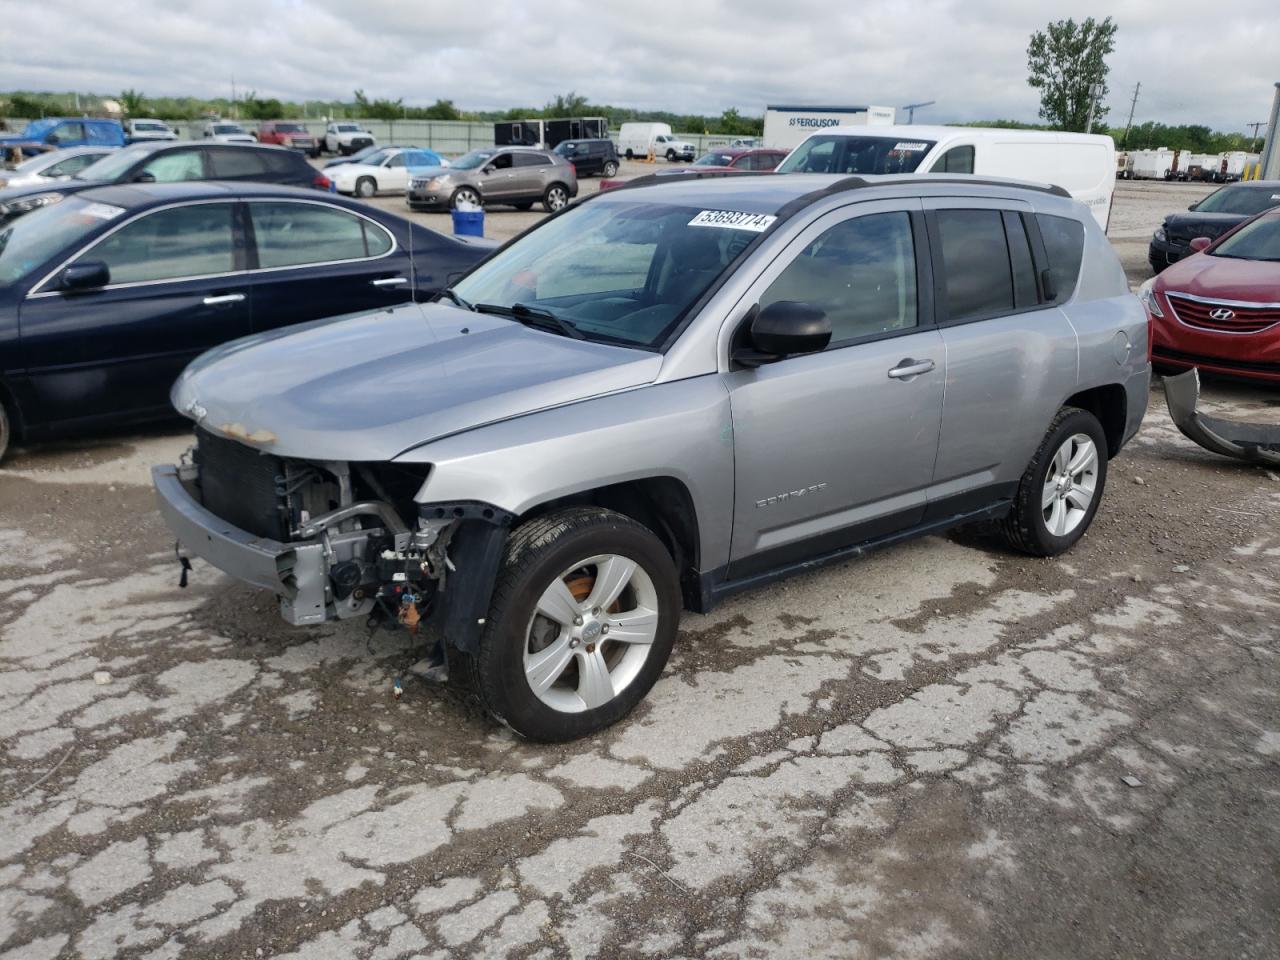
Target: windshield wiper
[(448, 293), (533, 317)]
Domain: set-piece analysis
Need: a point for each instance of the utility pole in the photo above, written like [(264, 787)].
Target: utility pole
[(1095, 91), (235, 113), (911, 109), (1256, 127), (1132, 106)]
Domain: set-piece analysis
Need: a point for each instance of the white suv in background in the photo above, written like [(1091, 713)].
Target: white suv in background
[(346, 137), (145, 131)]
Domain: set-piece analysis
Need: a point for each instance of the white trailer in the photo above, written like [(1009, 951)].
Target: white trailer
[(1154, 164), (786, 126), (1233, 164)]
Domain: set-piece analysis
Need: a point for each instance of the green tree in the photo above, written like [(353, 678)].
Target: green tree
[(1064, 61), (132, 102), (442, 110), (566, 105), (378, 109)]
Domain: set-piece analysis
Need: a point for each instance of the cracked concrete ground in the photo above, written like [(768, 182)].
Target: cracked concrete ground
[(944, 749)]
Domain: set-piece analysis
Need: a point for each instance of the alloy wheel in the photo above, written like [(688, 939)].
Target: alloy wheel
[(1070, 485)]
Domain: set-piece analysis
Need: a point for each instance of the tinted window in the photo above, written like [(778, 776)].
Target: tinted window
[(234, 162), (955, 160), (841, 153), (501, 162), (861, 273), (1240, 200), (1025, 292), (531, 160), (66, 132), (1064, 246), (188, 241), (175, 165), (396, 161), (1259, 240), (290, 234), (975, 260)]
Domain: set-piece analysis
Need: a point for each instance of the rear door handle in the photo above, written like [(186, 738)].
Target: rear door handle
[(908, 368), (223, 298), (389, 282)]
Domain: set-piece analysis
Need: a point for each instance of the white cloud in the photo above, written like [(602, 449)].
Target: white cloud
[(700, 56)]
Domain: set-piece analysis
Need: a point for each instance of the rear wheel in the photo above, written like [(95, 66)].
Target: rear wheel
[(583, 619), (1061, 488), (366, 187), (630, 155), (555, 198), (610, 169)]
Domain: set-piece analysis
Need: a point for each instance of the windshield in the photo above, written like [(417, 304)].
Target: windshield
[(113, 165), (1240, 200), (225, 128), (290, 128), (348, 128), (469, 161), (31, 240), (38, 128), (377, 157), (148, 125), (842, 153), (565, 149), (714, 160), (1259, 240), (619, 272), (37, 163)]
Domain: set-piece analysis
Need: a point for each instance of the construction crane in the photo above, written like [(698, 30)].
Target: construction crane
[(911, 109)]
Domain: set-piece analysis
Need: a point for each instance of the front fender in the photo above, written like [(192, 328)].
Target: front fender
[(680, 429)]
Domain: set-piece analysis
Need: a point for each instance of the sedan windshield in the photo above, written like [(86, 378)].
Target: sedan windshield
[(1259, 240), (714, 160), (113, 165), (377, 158), (32, 240), (469, 161), (1238, 199), (841, 153), (618, 272)]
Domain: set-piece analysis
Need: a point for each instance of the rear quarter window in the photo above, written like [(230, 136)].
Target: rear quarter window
[(1064, 247)]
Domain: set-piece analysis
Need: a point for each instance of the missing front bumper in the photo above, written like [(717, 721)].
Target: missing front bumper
[(1251, 442)]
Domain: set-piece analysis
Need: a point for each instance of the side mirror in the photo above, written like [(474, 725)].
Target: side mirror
[(782, 329), (87, 275), (488, 169), (145, 177), (1192, 206), (1199, 243)]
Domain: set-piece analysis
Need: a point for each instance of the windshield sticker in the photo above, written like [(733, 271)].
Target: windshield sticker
[(103, 211), (911, 146), (733, 220)]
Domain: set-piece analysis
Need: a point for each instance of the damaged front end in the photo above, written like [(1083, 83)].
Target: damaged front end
[(1253, 442), (335, 540)]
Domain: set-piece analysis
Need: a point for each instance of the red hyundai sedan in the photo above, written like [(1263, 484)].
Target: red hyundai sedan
[(1219, 309)]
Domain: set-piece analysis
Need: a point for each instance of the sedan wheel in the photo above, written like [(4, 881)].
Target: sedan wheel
[(366, 187), (556, 198)]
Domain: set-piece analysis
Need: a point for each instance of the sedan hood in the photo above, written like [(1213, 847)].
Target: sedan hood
[(371, 386), (1188, 226), (1223, 278)]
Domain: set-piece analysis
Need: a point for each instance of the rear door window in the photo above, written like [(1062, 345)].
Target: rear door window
[(531, 160), (190, 241), (237, 163), (293, 234), (955, 160), (1064, 246), (975, 258)]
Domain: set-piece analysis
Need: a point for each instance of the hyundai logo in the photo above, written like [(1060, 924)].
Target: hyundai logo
[(1221, 313)]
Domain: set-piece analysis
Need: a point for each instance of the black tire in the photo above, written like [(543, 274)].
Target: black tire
[(538, 552), (556, 197), (610, 169), (6, 430), (671, 156), (366, 187), (468, 194), (524, 205), (1025, 528), (630, 155)]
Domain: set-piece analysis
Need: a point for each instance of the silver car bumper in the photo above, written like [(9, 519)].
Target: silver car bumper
[(295, 572)]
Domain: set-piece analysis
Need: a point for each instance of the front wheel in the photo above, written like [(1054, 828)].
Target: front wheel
[(464, 196), (1061, 488), (366, 187), (610, 169), (583, 619), (671, 156), (555, 198)]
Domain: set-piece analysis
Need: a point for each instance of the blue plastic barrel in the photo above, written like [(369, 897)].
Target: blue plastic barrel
[(468, 223)]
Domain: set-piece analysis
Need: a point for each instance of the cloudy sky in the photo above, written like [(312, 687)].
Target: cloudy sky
[(1199, 62)]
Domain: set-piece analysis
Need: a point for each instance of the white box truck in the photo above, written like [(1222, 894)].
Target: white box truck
[(1082, 164), (1154, 164), (786, 126)]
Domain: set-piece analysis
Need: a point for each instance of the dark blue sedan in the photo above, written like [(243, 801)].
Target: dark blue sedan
[(107, 295)]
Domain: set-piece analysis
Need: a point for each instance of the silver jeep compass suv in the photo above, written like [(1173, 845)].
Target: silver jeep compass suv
[(665, 394)]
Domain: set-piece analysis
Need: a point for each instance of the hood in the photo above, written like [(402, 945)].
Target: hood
[(18, 191), (371, 386), (1222, 278), (1188, 226)]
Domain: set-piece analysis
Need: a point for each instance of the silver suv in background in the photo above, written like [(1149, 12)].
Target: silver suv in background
[(519, 176), (672, 392)]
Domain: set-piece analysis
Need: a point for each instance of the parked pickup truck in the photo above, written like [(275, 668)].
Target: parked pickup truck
[(289, 133), (346, 137), (53, 132), (666, 394)]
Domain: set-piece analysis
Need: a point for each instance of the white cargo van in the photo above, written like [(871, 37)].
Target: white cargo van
[(637, 139), (1082, 164)]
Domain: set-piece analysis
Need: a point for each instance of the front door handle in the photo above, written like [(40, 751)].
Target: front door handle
[(389, 282), (908, 368), (223, 298)]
